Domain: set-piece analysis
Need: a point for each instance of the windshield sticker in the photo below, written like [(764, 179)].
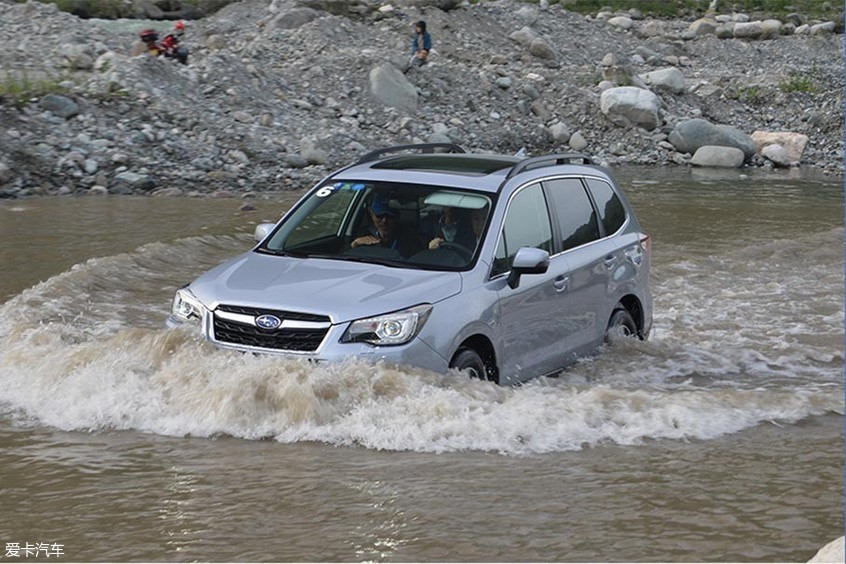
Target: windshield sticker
[(358, 187)]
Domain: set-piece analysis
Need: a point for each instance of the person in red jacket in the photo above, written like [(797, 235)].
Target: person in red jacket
[(171, 46)]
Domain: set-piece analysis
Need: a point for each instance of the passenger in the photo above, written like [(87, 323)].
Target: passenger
[(455, 226), (477, 220), (386, 230)]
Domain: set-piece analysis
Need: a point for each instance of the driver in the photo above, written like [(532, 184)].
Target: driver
[(386, 230)]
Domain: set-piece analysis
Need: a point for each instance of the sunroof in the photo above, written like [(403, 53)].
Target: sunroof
[(457, 164)]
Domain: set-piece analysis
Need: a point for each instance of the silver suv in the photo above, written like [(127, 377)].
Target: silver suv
[(424, 255)]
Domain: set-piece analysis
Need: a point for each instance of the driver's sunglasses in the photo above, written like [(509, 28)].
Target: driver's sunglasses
[(384, 216)]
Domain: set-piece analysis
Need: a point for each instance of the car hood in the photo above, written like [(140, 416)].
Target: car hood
[(340, 289)]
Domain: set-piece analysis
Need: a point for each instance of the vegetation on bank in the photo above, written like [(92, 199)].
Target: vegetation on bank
[(778, 9), (823, 10), (19, 88)]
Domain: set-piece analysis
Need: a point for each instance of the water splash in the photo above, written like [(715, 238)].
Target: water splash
[(84, 351)]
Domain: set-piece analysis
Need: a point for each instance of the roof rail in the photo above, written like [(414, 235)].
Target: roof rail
[(422, 147), (548, 160)]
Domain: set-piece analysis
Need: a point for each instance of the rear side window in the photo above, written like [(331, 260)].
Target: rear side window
[(574, 210), (611, 211), (526, 225)]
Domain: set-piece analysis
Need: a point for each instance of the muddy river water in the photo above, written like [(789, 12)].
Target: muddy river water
[(720, 439)]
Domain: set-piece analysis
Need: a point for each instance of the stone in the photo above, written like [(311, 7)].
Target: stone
[(668, 80), (392, 88), (578, 142), (133, 182), (295, 18), (717, 156), (690, 135), (524, 36), (541, 49), (793, 143), (623, 23), (776, 154), (750, 30), (560, 133), (702, 26), (631, 107), (504, 82), (59, 106)]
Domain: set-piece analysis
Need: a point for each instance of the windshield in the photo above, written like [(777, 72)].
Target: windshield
[(406, 225)]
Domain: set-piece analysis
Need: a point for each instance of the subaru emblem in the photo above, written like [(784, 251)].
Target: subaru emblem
[(268, 321)]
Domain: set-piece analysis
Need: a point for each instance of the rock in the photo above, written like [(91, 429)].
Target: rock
[(776, 154), (832, 552), (621, 22), (78, 56), (389, 86), (690, 135), (504, 82), (59, 106), (770, 29), (750, 30), (668, 79), (793, 143), (310, 152), (822, 29), (295, 18), (631, 107), (133, 182), (560, 133), (703, 26), (524, 36), (541, 49), (716, 156), (5, 173), (578, 142)]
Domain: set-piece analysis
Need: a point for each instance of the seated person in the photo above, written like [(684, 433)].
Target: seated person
[(455, 226), (386, 231)]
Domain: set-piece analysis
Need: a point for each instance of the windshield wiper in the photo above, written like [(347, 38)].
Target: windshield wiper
[(282, 253)]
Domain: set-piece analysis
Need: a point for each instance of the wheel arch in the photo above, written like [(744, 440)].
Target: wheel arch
[(485, 349), (633, 305)]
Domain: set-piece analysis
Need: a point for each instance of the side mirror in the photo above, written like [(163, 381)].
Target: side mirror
[(528, 260), (263, 230)]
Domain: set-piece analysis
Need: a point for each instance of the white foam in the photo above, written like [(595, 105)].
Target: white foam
[(84, 351)]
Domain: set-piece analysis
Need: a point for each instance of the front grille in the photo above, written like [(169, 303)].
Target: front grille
[(295, 340)]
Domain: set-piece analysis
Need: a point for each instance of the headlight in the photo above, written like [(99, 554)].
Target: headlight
[(186, 307), (389, 329)]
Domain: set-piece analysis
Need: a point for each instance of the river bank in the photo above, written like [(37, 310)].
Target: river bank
[(276, 95)]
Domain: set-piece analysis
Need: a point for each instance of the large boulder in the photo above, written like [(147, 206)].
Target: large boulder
[(690, 135), (631, 107), (389, 86)]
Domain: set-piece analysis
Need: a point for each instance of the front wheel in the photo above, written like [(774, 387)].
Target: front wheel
[(621, 324), (469, 360)]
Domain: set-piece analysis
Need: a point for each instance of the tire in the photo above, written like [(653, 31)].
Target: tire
[(469, 360), (621, 324)]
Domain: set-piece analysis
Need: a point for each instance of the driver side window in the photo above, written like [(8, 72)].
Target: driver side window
[(526, 225)]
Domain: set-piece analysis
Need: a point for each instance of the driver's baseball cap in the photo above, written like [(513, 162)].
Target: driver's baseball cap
[(382, 206)]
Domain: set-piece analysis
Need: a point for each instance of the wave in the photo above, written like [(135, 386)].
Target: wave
[(84, 350)]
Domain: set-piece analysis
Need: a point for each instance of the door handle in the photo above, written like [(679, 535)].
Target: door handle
[(561, 283), (610, 261)]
